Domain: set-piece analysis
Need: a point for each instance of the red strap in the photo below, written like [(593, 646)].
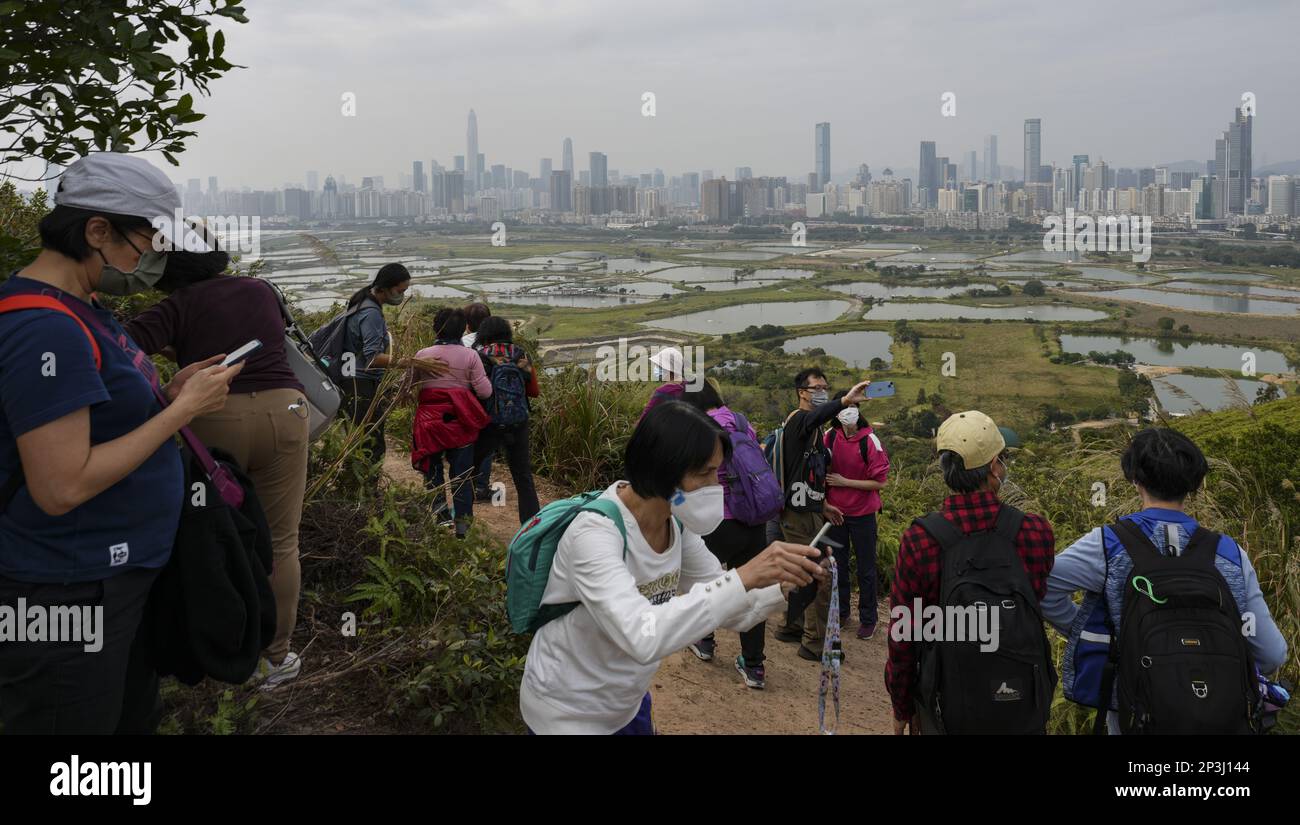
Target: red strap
[(19, 302)]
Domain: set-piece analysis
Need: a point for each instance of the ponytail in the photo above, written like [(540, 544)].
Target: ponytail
[(389, 275)]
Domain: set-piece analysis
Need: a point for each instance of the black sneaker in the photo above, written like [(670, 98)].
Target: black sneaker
[(702, 649), (755, 677), (793, 637)]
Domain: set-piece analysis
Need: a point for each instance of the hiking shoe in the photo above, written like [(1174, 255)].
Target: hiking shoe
[(805, 653), (702, 649), (484, 494), (272, 676), (866, 631), (754, 677), (790, 636)]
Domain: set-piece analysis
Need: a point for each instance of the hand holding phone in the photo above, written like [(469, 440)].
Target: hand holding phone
[(880, 389), (242, 353)]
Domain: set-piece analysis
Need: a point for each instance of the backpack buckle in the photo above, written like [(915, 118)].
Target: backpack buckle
[(1200, 689)]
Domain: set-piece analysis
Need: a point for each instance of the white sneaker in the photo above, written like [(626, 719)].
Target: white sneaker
[(272, 676)]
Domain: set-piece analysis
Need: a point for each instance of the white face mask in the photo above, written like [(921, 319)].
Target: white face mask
[(700, 510), (848, 416)]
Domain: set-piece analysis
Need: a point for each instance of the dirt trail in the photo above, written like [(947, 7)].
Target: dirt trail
[(691, 696)]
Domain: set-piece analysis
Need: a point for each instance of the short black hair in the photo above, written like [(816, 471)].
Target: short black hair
[(475, 314), (184, 268), (1165, 462), (957, 477), (672, 439), (494, 330), (705, 398), (803, 375), (63, 229), (449, 323)]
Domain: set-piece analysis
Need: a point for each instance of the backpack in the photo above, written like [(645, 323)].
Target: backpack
[(331, 340), (963, 689), (755, 495), (1181, 662), (508, 404), (804, 489), (532, 550), (323, 398)]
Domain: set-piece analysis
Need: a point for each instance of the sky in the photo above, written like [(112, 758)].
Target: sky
[(737, 83)]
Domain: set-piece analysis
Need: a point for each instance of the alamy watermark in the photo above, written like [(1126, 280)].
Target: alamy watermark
[(53, 623), (1109, 233), (633, 363), (237, 233), (947, 623)]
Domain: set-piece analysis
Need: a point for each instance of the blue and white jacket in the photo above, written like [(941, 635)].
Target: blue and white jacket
[(1099, 565)]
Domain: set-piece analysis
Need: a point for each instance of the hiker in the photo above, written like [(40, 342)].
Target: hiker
[(514, 381), (264, 424), (366, 338), (93, 480), (1161, 556), (647, 585), (1003, 690), (667, 365), (801, 456), (858, 471), (449, 416), (751, 495), (475, 314)]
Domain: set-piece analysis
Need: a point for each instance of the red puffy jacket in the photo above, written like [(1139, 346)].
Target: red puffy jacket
[(446, 419)]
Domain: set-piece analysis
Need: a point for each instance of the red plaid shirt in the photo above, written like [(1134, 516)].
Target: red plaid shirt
[(916, 575)]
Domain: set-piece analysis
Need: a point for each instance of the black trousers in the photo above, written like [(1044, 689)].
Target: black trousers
[(59, 687), (358, 395), (735, 543), (515, 441)]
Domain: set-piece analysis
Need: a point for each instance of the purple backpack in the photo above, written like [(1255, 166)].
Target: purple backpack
[(754, 496)]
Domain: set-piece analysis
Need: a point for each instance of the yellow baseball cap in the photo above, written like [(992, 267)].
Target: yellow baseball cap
[(971, 435)]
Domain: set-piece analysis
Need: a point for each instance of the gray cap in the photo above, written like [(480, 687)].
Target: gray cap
[(124, 184)]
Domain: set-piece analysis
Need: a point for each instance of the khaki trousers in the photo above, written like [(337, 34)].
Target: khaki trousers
[(801, 528)]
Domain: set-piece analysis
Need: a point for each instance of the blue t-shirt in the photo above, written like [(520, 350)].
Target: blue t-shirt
[(47, 370)]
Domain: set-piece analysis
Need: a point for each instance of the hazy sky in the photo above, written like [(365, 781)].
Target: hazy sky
[(738, 83)]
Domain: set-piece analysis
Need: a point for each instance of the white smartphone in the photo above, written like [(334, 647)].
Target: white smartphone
[(242, 353)]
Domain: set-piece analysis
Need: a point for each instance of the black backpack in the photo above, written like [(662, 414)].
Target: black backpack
[(330, 341), (1181, 661), (963, 689)]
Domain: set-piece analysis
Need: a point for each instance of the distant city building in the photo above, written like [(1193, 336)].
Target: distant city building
[(991, 170), (927, 183), (599, 166), (744, 173), (1033, 148), (1281, 195), (561, 186), (544, 171), (822, 153), (473, 179), (566, 163), (417, 176), (312, 180)]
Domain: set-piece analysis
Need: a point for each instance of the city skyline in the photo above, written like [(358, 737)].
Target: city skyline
[(1127, 97)]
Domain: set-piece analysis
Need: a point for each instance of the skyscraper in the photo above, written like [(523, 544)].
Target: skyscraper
[(1080, 161), (417, 177), (544, 171), (822, 150), (928, 176), (991, 159), (567, 163), (311, 181), (1235, 174), (1033, 149), (561, 183), (972, 170), (472, 179), (599, 165)]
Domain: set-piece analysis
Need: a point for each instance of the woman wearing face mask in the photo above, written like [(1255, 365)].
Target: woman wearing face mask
[(589, 670), (858, 471), (667, 365), (264, 424), (93, 482), (367, 339)]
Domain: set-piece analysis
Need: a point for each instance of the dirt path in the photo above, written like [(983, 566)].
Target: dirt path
[(691, 696)]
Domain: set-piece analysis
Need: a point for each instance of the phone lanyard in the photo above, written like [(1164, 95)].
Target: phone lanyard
[(831, 658)]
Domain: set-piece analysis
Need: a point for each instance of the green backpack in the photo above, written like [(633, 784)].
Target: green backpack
[(532, 550)]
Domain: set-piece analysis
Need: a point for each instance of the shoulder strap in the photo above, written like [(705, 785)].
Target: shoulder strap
[(28, 301), (742, 423), (1139, 547), (830, 439), (1008, 522), (940, 529), (609, 510), (1202, 546)]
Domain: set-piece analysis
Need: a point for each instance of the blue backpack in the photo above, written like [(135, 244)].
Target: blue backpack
[(755, 494), (508, 405)]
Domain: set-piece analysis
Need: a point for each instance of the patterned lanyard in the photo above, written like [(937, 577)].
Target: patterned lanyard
[(831, 658)]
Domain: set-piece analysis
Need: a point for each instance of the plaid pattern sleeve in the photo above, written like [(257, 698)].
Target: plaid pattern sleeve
[(916, 576)]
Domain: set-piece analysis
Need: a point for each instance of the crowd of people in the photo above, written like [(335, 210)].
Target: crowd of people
[(712, 525)]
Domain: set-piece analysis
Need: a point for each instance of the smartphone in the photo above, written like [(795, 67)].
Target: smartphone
[(242, 353), (880, 389)]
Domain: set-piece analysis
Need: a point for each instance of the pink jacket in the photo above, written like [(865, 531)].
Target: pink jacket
[(846, 459)]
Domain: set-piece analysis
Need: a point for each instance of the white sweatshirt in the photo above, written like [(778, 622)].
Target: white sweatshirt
[(587, 671)]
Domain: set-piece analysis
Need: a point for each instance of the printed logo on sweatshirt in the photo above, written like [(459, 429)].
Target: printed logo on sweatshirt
[(661, 589)]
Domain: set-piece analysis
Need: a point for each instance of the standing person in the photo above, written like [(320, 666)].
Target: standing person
[(367, 339), (450, 416), (975, 466), (668, 365), (803, 455), (475, 314), (589, 671), (859, 470), (499, 352), (264, 424), (93, 480), (735, 542), (1166, 467)]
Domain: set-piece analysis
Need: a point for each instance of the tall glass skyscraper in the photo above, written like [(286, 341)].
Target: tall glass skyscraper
[(822, 136), (927, 182), (991, 159), (566, 163), (1033, 149), (472, 181)]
